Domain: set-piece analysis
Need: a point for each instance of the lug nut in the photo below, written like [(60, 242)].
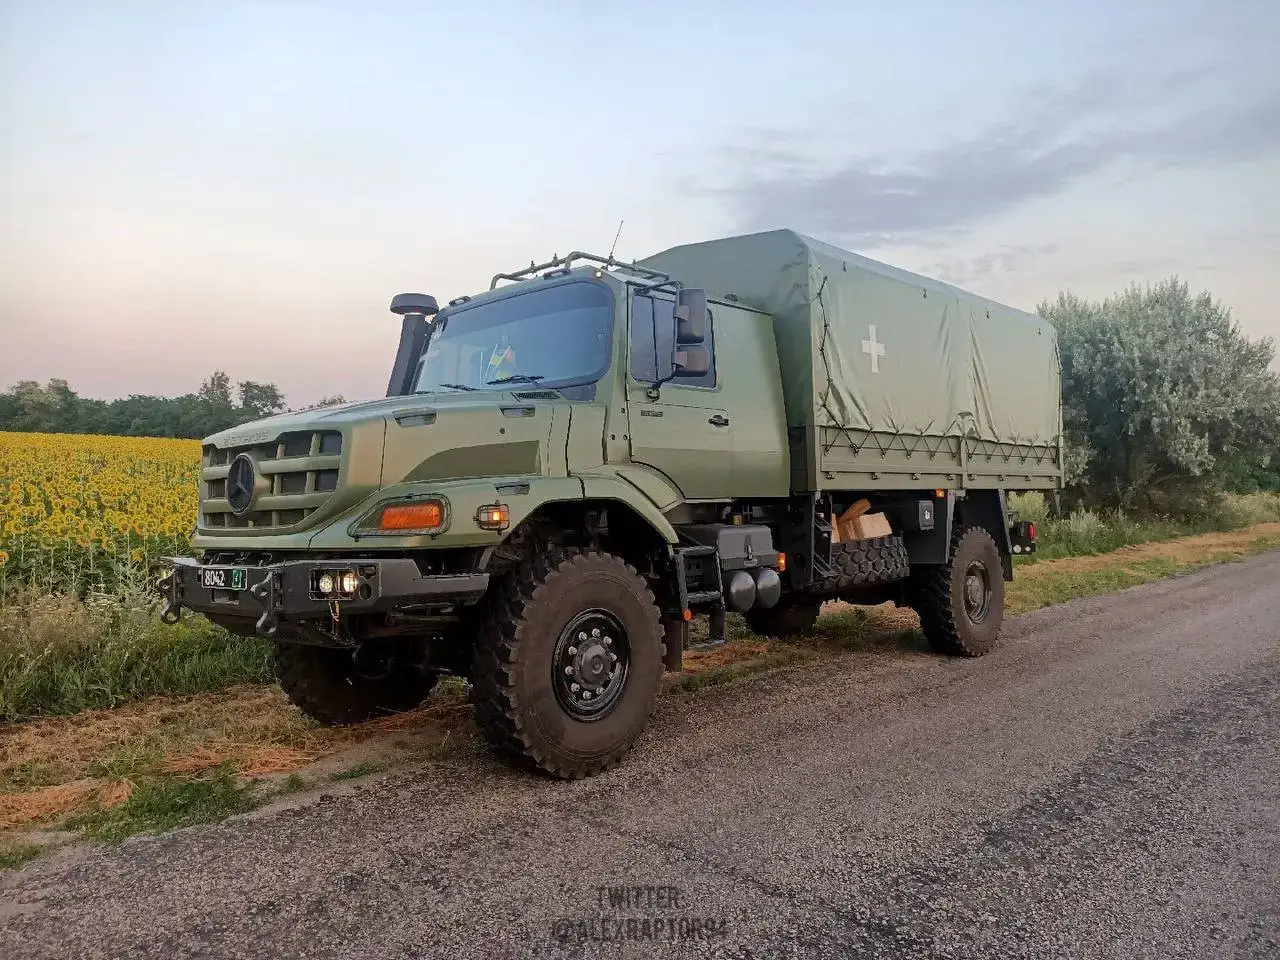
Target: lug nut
[(574, 687), (595, 631), (586, 694), (614, 656), (608, 641), (569, 671), (573, 651), (582, 635)]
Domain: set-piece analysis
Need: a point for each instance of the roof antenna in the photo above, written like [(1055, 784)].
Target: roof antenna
[(615, 239)]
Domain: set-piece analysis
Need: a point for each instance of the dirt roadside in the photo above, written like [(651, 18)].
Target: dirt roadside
[(58, 770)]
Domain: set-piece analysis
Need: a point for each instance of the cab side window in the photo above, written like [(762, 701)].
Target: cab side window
[(652, 326)]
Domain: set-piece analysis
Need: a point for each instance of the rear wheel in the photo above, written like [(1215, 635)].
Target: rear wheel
[(328, 685), (961, 604), (568, 663)]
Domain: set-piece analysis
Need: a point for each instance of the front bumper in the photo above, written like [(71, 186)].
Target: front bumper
[(283, 591)]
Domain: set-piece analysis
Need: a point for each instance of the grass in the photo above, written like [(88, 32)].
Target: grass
[(73, 771), (60, 655), (166, 803), (14, 856), (840, 629), (1088, 533), (293, 783), (693, 681), (1057, 581)]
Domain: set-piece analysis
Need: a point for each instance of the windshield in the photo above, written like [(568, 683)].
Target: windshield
[(554, 336)]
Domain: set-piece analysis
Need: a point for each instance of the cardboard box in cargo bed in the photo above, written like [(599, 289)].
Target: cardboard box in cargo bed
[(891, 379)]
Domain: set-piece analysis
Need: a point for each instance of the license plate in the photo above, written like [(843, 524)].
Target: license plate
[(224, 578)]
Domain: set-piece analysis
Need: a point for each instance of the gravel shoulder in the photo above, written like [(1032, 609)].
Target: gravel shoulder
[(1105, 784)]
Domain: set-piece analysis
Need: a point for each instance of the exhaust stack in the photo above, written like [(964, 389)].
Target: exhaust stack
[(415, 308)]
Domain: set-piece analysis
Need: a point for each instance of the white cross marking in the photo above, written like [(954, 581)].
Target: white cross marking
[(876, 350)]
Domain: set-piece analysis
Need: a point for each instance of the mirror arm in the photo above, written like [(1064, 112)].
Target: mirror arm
[(654, 391)]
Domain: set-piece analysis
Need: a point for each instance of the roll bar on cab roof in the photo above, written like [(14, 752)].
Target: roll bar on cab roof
[(558, 265)]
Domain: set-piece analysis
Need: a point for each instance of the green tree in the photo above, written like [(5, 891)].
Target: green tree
[(217, 389), (55, 408), (259, 399), (1161, 390)]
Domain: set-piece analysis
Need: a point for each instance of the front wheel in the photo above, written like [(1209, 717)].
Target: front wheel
[(327, 685), (961, 604), (568, 663)]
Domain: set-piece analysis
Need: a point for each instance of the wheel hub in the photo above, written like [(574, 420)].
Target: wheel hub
[(977, 591), (590, 664)]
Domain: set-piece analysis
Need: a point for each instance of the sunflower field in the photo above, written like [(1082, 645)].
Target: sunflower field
[(79, 513)]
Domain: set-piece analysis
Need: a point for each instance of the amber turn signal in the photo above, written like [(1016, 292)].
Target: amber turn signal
[(494, 516), (782, 563), (423, 515)]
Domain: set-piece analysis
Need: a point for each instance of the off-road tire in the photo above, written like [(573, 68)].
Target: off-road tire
[(324, 684), (784, 621), (938, 596), (861, 562), (517, 706)]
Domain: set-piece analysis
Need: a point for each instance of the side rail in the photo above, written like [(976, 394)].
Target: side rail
[(850, 459)]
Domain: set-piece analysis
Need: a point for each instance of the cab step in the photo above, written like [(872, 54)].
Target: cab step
[(715, 635)]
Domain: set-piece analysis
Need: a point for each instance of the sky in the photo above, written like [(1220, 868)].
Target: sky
[(187, 187)]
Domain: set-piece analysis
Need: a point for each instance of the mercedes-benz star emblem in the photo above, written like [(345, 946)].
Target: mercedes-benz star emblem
[(240, 483)]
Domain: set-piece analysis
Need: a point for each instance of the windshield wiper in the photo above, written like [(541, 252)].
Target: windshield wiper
[(518, 378), (453, 386)]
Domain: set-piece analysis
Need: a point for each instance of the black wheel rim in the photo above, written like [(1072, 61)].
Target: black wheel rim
[(590, 666), (977, 591)]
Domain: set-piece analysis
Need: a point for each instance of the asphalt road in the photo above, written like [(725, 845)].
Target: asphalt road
[(1106, 784)]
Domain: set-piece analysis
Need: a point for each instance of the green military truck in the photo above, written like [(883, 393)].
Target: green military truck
[(573, 465)]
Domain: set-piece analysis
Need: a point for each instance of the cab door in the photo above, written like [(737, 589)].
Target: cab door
[(685, 433)]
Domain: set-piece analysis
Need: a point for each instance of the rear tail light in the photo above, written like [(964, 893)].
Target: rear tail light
[(1022, 537)]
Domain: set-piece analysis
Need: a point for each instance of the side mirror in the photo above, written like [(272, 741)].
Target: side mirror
[(691, 315), (692, 362)]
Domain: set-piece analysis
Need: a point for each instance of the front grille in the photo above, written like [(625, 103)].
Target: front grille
[(295, 474)]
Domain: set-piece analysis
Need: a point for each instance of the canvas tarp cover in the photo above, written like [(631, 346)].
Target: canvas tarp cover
[(869, 347)]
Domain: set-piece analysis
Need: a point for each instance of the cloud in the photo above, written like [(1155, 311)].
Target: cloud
[(1004, 260), (1058, 139)]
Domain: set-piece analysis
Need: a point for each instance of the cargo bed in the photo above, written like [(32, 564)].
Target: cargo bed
[(891, 380)]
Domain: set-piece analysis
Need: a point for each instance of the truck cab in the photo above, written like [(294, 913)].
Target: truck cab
[(567, 469)]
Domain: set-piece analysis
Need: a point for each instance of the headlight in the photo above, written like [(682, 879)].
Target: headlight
[(424, 515), (339, 584), (493, 516)]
